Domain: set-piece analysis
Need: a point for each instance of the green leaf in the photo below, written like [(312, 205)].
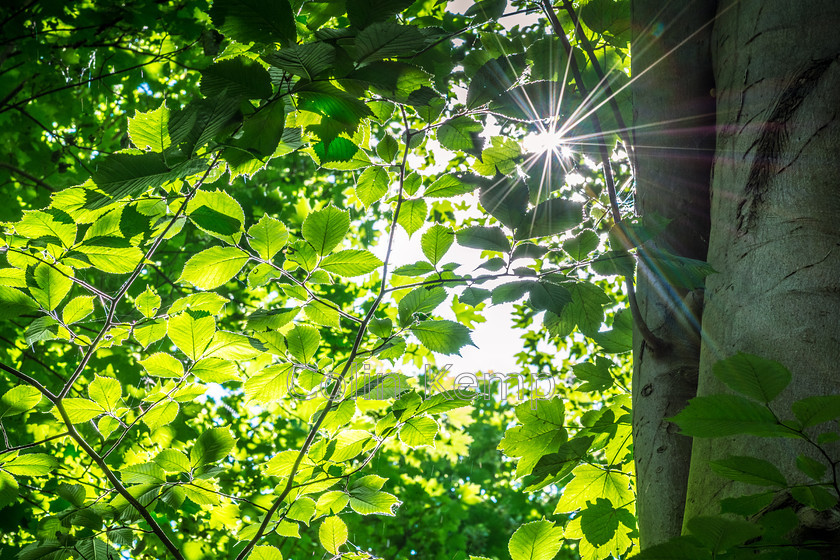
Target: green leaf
[(538, 540), (109, 257), (269, 319), (211, 446), (749, 470), (336, 105), (81, 410), (811, 467), (218, 214), (582, 244), (148, 302), (443, 337), (215, 370), (612, 263), (812, 411), (753, 376), (487, 238), (31, 464), (549, 296), (815, 497), (162, 414), (727, 415), (331, 502), (150, 332), (173, 461), (76, 494), (500, 158), (680, 272), (387, 40), (302, 343), (618, 339), (412, 270), (506, 202), (143, 473), (460, 134), (364, 12), (388, 148), (18, 400), (8, 489), (322, 314), (51, 284), (592, 481), (367, 501), (595, 377), (587, 306), (236, 77), (307, 60), (680, 548), (105, 391), (351, 262), (474, 296), (448, 186), (549, 218), (262, 132), (493, 78), (325, 229), (124, 175), (420, 300), (50, 223), (747, 505), (512, 291), (271, 384), (436, 242), (412, 215), (161, 364), (599, 522), (372, 185), (419, 431), (42, 328), (251, 20), (150, 130), (332, 534), (266, 552), (213, 267), (720, 534), (191, 332), (267, 237)]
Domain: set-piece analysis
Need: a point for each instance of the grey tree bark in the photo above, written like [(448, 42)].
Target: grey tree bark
[(775, 223), (674, 141)]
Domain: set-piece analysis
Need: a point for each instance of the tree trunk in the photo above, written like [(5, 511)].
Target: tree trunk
[(775, 237), (673, 143)]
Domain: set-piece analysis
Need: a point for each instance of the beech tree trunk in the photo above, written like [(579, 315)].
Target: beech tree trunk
[(775, 223), (674, 142)]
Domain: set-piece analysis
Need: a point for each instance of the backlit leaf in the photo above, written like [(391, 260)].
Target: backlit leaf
[(213, 267), (325, 229), (332, 534)]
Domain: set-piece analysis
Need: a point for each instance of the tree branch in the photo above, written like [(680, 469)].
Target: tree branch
[(30, 380), (18, 171), (654, 342)]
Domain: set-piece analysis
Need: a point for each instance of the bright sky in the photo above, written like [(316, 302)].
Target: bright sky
[(496, 340)]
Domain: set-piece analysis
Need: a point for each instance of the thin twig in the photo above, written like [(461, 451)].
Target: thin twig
[(31, 381), (118, 486), (653, 342), (127, 284), (590, 52), (310, 438), (25, 174)]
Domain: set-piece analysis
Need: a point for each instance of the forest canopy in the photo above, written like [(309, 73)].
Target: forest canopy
[(243, 241)]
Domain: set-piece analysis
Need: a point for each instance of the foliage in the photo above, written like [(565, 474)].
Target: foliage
[(211, 349), (759, 523)]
